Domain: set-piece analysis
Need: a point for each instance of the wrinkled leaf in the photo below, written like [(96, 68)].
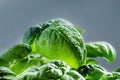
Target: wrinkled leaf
[(72, 75), (61, 40), (101, 49), (50, 71)]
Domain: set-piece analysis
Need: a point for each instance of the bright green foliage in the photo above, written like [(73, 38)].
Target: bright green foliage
[(14, 54), (19, 55), (101, 49), (54, 70), (30, 60), (59, 39), (56, 50)]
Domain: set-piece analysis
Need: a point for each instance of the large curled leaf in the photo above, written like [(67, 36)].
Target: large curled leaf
[(92, 72), (16, 53), (6, 74), (18, 58), (50, 71), (61, 40), (101, 49)]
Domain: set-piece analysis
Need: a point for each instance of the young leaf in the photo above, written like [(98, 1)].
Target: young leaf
[(101, 49)]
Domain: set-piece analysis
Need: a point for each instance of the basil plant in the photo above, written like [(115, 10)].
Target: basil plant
[(56, 50)]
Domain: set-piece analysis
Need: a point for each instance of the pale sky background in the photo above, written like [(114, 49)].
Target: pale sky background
[(99, 18)]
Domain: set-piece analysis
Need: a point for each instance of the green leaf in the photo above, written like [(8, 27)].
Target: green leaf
[(92, 72), (111, 76), (30, 60), (50, 71), (54, 70), (6, 74), (16, 53), (30, 37), (19, 57), (72, 75), (32, 33), (101, 49), (29, 74), (60, 40)]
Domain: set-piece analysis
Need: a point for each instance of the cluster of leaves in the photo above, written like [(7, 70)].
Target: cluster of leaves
[(56, 50)]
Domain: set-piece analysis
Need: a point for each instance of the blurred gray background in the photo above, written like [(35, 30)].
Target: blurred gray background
[(99, 18)]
